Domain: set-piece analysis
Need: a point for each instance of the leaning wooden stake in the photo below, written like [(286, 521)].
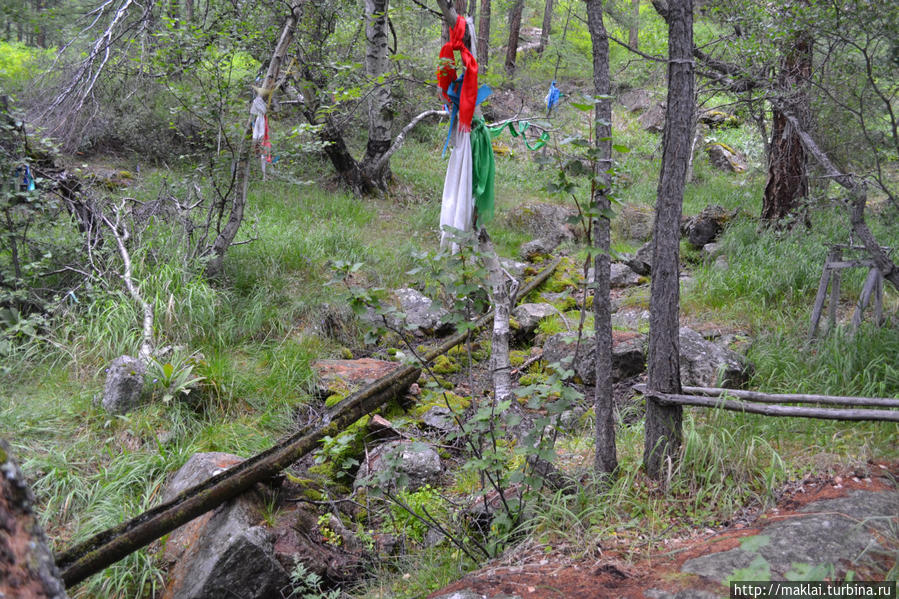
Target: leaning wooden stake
[(109, 546)]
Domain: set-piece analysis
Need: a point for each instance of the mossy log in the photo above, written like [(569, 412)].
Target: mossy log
[(109, 546)]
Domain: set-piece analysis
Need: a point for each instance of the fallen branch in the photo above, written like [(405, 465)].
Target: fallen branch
[(774, 410), (792, 397), (106, 548)]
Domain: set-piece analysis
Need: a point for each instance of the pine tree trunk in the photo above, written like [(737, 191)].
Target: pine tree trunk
[(633, 32), (380, 106), (787, 162), (546, 30), (514, 31), (484, 34), (605, 459), (663, 423)]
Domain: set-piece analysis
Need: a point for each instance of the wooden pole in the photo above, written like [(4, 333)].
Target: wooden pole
[(835, 278), (106, 548), (821, 296), (775, 410), (864, 297), (882, 402)]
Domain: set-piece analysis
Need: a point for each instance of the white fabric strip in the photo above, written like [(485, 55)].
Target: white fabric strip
[(456, 208)]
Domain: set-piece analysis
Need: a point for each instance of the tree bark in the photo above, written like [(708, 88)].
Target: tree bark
[(26, 567), (502, 292), (546, 30), (484, 34), (514, 31), (663, 423), (380, 107), (787, 164), (605, 459), (242, 168), (633, 32)]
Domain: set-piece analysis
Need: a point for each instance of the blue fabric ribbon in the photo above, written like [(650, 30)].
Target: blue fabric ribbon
[(454, 90), (552, 98)]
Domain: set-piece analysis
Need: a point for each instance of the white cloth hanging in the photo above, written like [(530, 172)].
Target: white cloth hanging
[(258, 109), (457, 205)]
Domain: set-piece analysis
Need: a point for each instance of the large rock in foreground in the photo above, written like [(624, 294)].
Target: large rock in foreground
[(27, 568), (223, 553)]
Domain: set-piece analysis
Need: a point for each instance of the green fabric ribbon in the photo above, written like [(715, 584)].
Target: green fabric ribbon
[(483, 166), (483, 169), (519, 132)]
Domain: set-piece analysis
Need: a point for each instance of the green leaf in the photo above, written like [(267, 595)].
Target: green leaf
[(581, 107), (621, 148)]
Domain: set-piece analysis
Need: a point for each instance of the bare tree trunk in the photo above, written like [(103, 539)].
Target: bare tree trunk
[(189, 11), (605, 460), (484, 34), (547, 26), (663, 423), (380, 107), (502, 292), (787, 169), (633, 32), (242, 168), (514, 31)]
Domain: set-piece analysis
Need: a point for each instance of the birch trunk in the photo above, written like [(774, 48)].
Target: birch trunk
[(380, 106)]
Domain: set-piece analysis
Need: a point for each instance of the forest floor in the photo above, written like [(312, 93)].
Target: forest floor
[(848, 520)]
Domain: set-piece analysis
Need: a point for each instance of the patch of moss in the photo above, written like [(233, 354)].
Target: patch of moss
[(533, 378), (431, 398), (517, 357), (514, 324), (559, 284), (563, 304), (334, 399), (346, 353), (445, 365)]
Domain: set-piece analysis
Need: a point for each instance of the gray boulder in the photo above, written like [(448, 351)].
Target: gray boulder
[(223, 552), (542, 219), (653, 120), (124, 384), (641, 262), (707, 364), (634, 222), (620, 275), (416, 313), (710, 251), (416, 462), (705, 227), (528, 316), (725, 158), (514, 267), (439, 418), (628, 355), (539, 246)]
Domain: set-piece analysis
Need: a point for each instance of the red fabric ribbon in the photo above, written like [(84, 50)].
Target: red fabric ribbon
[(446, 74)]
